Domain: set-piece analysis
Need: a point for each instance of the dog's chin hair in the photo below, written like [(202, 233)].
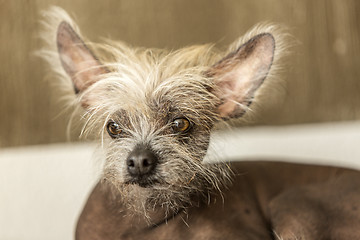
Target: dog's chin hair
[(194, 186)]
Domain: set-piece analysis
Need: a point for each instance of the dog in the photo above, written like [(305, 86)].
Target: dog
[(154, 111)]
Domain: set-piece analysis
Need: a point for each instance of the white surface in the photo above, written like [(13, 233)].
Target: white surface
[(43, 188), (335, 144)]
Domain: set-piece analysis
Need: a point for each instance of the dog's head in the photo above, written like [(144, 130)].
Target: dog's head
[(155, 110)]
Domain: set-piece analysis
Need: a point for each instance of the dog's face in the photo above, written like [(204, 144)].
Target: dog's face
[(156, 111)]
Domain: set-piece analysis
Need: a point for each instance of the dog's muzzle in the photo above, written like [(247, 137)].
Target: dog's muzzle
[(140, 164)]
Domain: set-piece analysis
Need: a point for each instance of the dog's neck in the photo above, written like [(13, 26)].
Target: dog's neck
[(159, 216), (152, 218)]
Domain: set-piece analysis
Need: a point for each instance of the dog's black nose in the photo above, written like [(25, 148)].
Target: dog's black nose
[(141, 161)]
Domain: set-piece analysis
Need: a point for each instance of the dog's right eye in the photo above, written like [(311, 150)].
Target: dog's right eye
[(113, 129), (181, 125)]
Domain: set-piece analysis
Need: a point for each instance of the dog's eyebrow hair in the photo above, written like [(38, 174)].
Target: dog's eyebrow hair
[(119, 115)]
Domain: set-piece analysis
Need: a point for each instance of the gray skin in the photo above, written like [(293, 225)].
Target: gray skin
[(267, 200)]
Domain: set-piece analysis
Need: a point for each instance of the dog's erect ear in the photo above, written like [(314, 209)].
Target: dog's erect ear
[(77, 59), (240, 74)]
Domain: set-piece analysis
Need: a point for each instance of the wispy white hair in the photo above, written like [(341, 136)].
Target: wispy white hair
[(138, 77), (141, 70)]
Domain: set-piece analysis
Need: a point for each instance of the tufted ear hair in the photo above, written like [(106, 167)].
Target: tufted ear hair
[(238, 75), (77, 59)]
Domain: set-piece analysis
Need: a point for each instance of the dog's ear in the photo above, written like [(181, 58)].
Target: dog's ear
[(238, 75), (77, 59)]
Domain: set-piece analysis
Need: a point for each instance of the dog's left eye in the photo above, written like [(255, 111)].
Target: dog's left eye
[(113, 129), (181, 125)]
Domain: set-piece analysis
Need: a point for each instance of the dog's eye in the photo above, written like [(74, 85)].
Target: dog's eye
[(181, 125), (113, 129)]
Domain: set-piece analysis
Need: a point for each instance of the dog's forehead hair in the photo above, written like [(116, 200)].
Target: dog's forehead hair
[(156, 89), (170, 99)]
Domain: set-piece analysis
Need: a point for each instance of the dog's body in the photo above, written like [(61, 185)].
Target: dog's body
[(155, 111), (267, 200)]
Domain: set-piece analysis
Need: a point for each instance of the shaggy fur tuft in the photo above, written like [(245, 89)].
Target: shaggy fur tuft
[(143, 91)]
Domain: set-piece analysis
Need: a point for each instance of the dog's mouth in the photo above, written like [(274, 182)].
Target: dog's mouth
[(143, 181)]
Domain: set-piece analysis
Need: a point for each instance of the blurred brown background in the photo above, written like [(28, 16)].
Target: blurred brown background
[(322, 73)]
